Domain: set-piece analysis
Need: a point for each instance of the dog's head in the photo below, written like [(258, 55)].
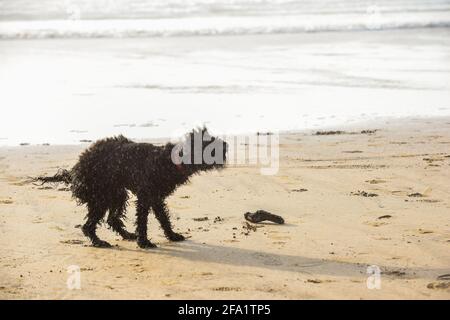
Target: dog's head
[(200, 151)]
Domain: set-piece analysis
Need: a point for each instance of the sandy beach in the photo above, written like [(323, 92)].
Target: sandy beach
[(350, 201)]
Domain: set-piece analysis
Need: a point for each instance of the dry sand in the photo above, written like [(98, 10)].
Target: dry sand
[(323, 251)]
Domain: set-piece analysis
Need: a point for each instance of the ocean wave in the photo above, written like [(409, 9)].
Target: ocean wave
[(209, 26)]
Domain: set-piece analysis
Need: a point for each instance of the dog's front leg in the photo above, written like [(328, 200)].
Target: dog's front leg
[(143, 207), (162, 214)]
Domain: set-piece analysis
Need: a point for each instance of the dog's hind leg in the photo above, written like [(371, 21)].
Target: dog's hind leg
[(116, 214), (162, 214), (143, 208), (94, 216)]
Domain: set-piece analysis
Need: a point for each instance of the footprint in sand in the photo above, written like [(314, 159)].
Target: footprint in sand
[(394, 273), (15, 289), (439, 285), (376, 181), (415, 195), (227, 289), (364, 194), (86, 269), (423, 231), (429, 200), (318, 281), (375, 223), (383, 238), (231, 241), (72, 242), (45, 188), (299, 190)]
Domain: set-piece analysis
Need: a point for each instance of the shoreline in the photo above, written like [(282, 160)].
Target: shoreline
[(370, 124)]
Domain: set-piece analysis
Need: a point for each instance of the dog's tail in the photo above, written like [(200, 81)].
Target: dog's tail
[(62, 176)]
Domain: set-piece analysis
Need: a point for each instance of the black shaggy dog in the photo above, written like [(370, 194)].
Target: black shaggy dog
[(113, 166)]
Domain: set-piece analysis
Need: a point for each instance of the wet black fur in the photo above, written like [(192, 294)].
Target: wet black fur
[(111, 167)]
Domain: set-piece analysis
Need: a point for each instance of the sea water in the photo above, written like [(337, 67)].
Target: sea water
[(82, 70)]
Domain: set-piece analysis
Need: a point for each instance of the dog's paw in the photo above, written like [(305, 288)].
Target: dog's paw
[(101, 244), (146, 244), (176, 237)]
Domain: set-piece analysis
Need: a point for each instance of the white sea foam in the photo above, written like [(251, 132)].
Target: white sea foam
[(213, 26)]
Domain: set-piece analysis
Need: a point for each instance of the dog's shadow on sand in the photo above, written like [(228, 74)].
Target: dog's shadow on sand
[(191, 250)]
